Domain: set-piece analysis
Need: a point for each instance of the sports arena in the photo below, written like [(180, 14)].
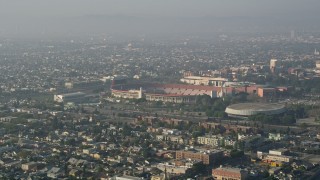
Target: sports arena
[(176, 93), (249, 109)]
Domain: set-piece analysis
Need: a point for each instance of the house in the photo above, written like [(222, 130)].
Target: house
[(161, 176), (72, 161), (55, 173), (12, 164), (74, 172), (7, 119), (30, 166), (302, 165)]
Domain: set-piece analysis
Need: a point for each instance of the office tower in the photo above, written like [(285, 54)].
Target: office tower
[(273, 64)]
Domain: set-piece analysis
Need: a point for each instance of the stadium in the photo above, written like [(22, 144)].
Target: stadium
[(176, 93), (249, 109), (187, 93)]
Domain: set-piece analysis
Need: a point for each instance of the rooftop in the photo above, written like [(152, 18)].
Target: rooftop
[(256, 106), (73, 94), (230, 169)]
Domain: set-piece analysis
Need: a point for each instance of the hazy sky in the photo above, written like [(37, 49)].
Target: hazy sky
[(55, 15), (159, 7)]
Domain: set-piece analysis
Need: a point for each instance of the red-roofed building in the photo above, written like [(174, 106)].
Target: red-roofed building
[(229, 173)]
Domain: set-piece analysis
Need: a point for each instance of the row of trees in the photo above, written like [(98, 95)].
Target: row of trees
[(213, 107), (286, 119)]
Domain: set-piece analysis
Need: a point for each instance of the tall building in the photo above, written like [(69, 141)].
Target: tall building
[(318, 64), (292, 35), (273, 65)]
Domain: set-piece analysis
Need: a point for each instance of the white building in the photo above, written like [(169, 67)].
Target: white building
[(210, 140), (273, 65), (70, 97), (198, 80), (125, 177), (28, 166), (276, 136)]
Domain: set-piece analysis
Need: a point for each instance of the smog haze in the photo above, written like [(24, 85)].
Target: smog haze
[(134, 17)]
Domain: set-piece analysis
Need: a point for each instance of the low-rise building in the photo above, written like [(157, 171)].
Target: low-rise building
[(210, 140), (29, 166), (226, 173), (206, 156), (279, 152), (126, 177), (170, 138), (70, 97), (55, 173), (198, 80), (161, 176), (172, 168), (266, 92), (271, 157), (7, 119), (275, 156), (130, 94), (276, 136)]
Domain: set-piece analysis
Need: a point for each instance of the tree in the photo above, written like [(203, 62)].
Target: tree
[(66, 168), (241, 145), (126, 130), (198, 168), (288, 130), (219, 114), (221, 142), (146, 153), (265, 174), (303, 125), (288, 119), (84, 168), (235, 153), (158, 104), (55, 123), (24, 154), (203, 100)]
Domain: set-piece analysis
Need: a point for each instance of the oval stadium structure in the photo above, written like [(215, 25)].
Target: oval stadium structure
[(249, 109)]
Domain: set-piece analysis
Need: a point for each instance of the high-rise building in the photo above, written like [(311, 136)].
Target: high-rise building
[(292, 35), (273, 64), (318, 64)]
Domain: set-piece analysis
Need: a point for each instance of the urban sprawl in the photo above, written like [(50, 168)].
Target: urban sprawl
[(228, 107)]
